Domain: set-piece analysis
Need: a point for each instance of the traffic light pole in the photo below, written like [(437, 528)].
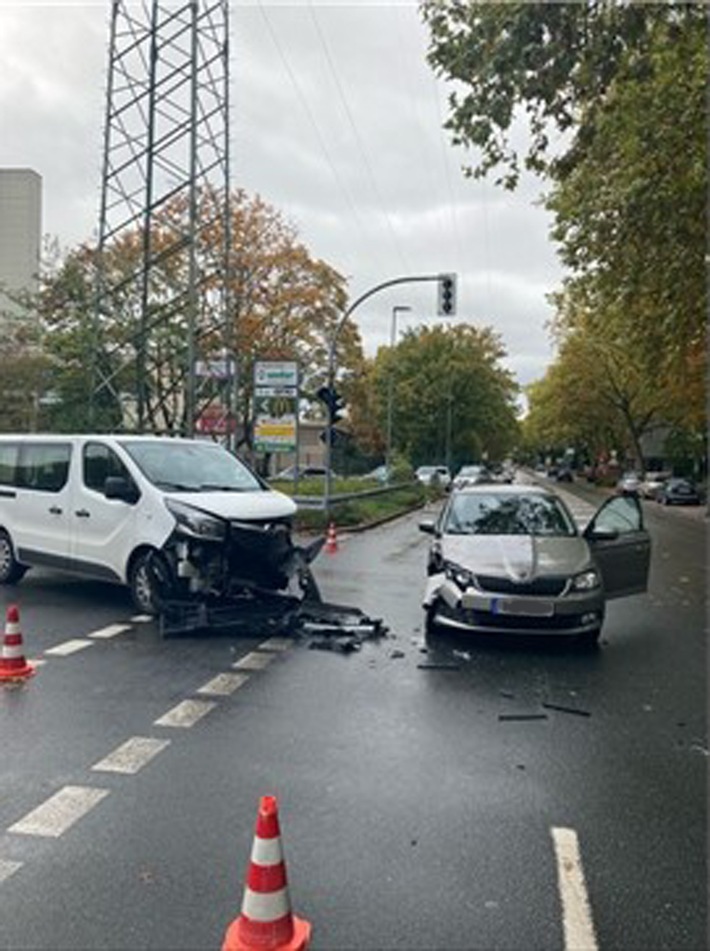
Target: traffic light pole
[(413, 279)]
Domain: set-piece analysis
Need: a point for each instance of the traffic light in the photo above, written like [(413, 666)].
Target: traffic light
[(446, 303), (333, 401)]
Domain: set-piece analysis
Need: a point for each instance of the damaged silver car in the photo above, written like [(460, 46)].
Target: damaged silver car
[(510, 559)]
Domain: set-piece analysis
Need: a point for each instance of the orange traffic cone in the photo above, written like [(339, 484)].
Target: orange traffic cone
[(266, 922), (331, 542), (13, 665)]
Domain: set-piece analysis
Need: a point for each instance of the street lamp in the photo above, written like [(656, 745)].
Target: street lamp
[(398, 309)]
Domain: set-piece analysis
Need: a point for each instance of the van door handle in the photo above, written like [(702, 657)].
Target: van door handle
[(55, 510), (82, 513)]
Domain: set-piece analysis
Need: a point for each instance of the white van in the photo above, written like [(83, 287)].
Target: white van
[(174, 519)]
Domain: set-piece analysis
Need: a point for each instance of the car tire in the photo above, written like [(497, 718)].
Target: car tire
[(11, 570), (148, 580)]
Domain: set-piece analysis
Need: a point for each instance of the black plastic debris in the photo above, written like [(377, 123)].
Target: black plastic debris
[(522, 716), (438, 666), (564, 709)]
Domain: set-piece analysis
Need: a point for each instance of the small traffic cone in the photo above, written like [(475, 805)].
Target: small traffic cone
[(13, 665), (266, 922), (331, 542)]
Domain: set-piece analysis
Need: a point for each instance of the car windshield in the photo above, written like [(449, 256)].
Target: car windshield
[(183, 466), (498, 514)]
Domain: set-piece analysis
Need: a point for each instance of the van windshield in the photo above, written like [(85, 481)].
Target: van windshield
[(183, 466)]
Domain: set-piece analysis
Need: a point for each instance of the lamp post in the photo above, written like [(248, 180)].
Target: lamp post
[(398, 309)]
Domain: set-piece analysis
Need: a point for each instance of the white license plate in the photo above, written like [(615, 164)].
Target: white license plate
[(529, 607)]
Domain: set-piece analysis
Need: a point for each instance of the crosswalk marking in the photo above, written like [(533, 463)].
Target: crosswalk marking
[(132, 755), (60, 811)]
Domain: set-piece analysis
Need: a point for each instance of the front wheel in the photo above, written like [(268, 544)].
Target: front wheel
[(149, 582), (10, 568)]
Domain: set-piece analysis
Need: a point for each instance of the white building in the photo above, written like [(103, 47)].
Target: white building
[(20, 232)]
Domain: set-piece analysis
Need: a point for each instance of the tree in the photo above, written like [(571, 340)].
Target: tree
[(283, 304), (555, 60), (452, 400)]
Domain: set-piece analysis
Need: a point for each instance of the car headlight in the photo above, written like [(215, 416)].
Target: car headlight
[(460, 576), (586, 581), (197, 524)]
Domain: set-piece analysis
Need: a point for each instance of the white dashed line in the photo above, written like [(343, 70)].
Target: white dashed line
[(186, 714), (142, 618), (576, 912), (111, 631), (276, 644), (60, 811), (254, 661), (224, 684), (132, 755), (69, 647), (8, 868)]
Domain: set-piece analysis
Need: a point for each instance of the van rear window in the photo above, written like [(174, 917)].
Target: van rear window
[(43, 466)]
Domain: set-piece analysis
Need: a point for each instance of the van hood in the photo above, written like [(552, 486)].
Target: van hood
[(241, 506)]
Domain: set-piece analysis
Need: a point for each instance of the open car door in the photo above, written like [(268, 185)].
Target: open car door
[(621, 546)]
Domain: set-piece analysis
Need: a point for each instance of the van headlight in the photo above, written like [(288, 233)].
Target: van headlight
[(586, 581), (197, 524)]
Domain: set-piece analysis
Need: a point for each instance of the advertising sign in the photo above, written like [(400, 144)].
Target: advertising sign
[(275, 406)]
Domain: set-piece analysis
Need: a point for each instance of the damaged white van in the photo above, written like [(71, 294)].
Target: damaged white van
[(174, 519)]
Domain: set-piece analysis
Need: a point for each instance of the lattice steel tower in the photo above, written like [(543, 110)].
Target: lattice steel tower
[(162, 273)]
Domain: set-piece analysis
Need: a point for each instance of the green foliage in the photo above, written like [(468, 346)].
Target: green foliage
[(452, 399)]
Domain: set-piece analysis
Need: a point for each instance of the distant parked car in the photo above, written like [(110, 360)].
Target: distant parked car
[(678, 492), (629, 484), (651, 483), (472, 475), (564, 474), (428, 475)]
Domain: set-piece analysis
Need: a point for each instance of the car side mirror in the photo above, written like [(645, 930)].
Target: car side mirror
[(117, 487), (428, 525)]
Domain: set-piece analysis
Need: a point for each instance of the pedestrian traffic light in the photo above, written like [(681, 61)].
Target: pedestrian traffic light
[(446, 304), (333, 401)]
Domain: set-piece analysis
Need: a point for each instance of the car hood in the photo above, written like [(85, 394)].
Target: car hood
[(518, 557), (242, 506)]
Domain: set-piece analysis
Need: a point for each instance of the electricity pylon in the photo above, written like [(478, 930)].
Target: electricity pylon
[(161, 304)]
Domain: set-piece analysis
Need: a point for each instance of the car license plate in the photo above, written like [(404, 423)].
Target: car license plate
[(529, 607)]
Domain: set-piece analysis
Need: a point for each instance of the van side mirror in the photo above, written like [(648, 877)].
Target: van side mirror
[(428, 525), (116, 487)]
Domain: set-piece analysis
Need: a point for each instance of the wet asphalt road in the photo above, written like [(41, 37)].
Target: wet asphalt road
[(412, 815)]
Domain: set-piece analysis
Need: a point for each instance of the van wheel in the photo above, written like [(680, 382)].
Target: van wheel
[(10, 568), (148, 580)]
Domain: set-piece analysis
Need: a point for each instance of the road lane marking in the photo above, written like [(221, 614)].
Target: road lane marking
[(60, 811), (69, 647), (186, 713), (254, 661), (8, 868), (576, 911), (142, 618), (224, 684), (276, 644), (112, 630), (132, 755)]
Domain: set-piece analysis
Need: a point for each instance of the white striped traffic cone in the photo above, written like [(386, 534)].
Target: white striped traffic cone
[(266, 922), (13, 665), (331, 542)]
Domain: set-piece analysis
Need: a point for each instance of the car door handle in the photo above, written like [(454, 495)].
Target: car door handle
[(55, 510), (82, 513)]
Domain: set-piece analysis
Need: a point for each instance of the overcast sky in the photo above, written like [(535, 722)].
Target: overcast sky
[(337, 123)]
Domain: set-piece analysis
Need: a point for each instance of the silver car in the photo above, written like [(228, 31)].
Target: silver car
[(509, 559)]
